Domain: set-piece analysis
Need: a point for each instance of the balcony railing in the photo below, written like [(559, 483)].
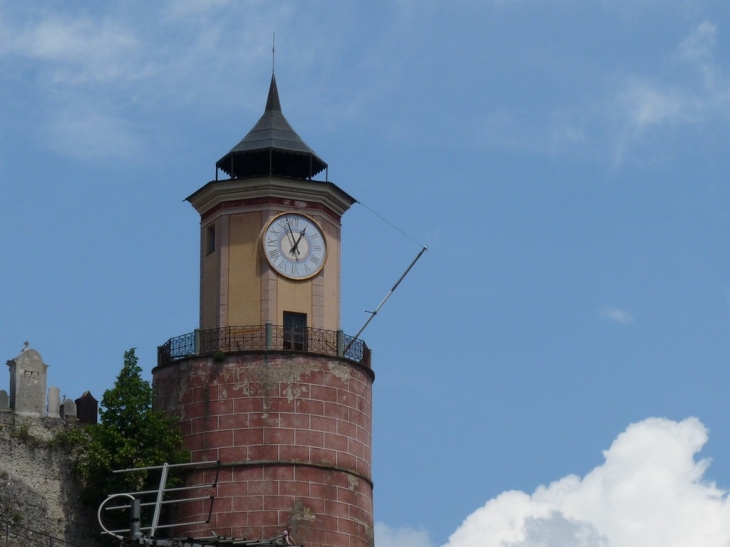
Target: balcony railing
[(263, 337)]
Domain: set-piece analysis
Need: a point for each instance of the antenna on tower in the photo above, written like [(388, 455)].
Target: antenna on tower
[(273, 51), (374, 313), (387, 296)]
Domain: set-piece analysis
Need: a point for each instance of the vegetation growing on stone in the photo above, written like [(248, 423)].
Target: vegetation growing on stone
[(22, 434), (130, 434)]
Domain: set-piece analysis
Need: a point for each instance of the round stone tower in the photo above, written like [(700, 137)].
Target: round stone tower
[(269, 384)]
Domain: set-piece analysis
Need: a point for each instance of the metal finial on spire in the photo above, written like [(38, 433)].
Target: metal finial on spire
[(273, 52)]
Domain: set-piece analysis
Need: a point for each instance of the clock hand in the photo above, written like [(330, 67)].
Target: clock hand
[(290, 234), (295, 249)]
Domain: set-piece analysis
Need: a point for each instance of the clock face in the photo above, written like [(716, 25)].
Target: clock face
[(294, 246)]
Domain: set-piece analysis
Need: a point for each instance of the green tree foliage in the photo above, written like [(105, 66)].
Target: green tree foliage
[(130, 434)]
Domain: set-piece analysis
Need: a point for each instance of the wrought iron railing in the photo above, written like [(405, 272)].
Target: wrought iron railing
[(263, 337)]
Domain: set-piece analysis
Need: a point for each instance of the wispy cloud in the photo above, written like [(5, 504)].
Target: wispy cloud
[(186, 8), (639, 111), (158, 57), (114, 63), (649, 105), (649, 492), (700, 43), (387, 536), (617, 314), (98, 75), (76, 50), (90, 133)]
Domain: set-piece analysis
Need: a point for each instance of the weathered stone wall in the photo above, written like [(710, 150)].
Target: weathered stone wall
[(37, 489)]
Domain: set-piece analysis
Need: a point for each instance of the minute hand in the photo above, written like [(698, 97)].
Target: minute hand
[(295, 248), (290, 233)]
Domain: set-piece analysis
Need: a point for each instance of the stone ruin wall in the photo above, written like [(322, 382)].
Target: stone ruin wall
[(37, 488)]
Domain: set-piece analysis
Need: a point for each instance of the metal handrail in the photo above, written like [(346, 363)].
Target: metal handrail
[(205, 342)]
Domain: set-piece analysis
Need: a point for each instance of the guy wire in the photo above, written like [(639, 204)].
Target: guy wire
[(392, 225)]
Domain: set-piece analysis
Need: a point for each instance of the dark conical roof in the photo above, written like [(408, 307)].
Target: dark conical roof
[(272, 147)]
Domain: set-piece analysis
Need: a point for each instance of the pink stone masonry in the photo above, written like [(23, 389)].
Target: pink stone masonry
[(293, 432)]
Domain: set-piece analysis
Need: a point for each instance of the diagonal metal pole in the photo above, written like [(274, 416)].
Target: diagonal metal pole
[(374, 313), (160, 495)]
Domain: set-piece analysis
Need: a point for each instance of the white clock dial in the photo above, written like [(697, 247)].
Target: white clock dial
[(294, 245)]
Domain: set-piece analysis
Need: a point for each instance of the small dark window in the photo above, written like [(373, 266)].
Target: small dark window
[(210, 244), (295, 331)]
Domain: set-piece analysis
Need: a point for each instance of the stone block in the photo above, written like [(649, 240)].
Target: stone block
[(263, 453), (28, 383), (54, 402), (278, 436), (290, 453), (68, 410), (4, 400)]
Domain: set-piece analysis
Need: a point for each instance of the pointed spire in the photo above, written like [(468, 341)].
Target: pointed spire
[(272, 101), (272, 147)]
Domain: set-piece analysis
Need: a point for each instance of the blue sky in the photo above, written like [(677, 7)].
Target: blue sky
[(565, 162)]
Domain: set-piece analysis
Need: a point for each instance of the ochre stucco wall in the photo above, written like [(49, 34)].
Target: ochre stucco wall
[(244, 274), (236, 281), (209, 279)]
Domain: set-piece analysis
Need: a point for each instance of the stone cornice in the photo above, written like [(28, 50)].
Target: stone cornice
[(300, 193)]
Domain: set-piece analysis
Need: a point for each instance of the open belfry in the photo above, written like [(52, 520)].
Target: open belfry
[(269, 384)]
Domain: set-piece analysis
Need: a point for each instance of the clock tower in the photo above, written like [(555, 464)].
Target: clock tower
[(269, 384), (270, 234)]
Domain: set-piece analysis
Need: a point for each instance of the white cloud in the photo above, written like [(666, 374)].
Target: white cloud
[(641, 111), (386, 536), (76, 50), (648, 105), (617, 314), (90, 133), (649, 492), (155, 58), (700, 42), (99, 74), (136, 61), (644, 109), (187, 8)]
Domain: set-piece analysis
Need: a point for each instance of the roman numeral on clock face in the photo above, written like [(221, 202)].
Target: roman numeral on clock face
[(294, 246)]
